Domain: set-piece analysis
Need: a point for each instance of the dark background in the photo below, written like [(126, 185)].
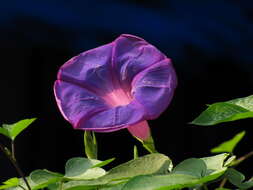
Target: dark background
[(210, 43)]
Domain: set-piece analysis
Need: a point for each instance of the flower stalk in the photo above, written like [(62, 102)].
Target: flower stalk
[(90, 144)]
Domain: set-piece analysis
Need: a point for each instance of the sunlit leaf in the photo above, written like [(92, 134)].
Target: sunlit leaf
[(42, 178), (98, 163), (148, 164), (192, 166), (191, 172), (13, 182), (240, 108), (77, 166), (12, 130), (84, 169), (217, 163), (4, 132), (228, 146)]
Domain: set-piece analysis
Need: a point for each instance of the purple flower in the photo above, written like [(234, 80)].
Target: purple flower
[(118, 85)]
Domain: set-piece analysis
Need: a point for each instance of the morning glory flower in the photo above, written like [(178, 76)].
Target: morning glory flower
[(118, 85)]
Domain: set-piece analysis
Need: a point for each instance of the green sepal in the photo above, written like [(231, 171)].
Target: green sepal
[(90, 144), (136, 154), (148, 144)]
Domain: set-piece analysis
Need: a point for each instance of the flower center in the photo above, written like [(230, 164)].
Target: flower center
[(118, 97)]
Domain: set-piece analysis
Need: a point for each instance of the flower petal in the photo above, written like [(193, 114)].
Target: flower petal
[(131, 55), (115, 86), (154, 87), (76, 103), (90, 69), (114, 119)]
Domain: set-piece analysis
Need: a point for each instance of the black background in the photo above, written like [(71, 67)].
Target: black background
[(210, 43)]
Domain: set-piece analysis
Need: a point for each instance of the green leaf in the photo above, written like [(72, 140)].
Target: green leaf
[(149, 164), (13, 182), (217, 163), (90, 144), (82, 185), (161, 182), (13, 130), (228, 146), (89, 174), (98, 163), (237, 179), (246, 102), (77, 166), (149, 144), (240, 108), (42, 178), (84, 169), (54, 186), (4, 132), (188, 173), (167, 182), (114, 187), (193, 166), (33, 185)]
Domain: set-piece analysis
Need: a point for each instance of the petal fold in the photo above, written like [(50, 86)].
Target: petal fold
[(131, 55), (90, 69), (154, 87), (76, 103), (114, 119)]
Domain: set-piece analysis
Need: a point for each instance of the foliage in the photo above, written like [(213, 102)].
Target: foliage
[(153, 171), (240, 108)]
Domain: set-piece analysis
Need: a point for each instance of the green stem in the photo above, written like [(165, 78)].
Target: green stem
[(241, 159), (13, 150), (15, 164), (136, 155), (90, 144), (149, 145), (223, 182)]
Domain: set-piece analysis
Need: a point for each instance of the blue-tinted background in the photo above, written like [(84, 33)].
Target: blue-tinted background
[(210, 43)]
